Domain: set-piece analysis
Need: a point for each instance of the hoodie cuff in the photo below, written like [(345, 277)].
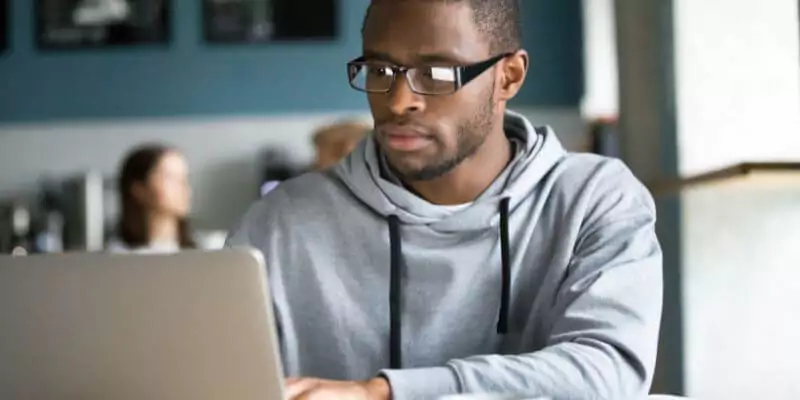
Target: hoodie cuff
[(421, 383)]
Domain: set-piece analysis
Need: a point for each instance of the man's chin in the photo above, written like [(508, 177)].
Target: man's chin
[(420, 174), (404, 172), (416, 167)]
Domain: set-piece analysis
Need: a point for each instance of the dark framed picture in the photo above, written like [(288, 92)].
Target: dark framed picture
[(5, 25), (70, 24), (261, 21)]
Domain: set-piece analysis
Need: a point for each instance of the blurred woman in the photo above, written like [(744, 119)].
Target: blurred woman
[(155, 196)]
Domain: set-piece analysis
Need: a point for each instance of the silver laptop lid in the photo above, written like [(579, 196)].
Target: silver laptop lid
[(195, 325)]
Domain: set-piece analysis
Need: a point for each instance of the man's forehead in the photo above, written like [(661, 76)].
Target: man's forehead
[(422, 31)]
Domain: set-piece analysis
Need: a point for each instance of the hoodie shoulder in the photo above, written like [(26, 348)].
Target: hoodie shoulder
[(307, 188), (295, 198), (607, 187), (587, 167)]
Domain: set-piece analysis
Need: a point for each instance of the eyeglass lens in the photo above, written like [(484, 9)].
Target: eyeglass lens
[(427, 80)]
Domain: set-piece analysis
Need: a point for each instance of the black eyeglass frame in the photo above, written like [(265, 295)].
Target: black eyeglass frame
[(464, 74)]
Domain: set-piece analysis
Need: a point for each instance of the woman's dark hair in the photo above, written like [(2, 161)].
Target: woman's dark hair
[(133, 223)]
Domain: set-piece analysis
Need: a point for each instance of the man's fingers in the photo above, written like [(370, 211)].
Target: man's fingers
[(297, 386)]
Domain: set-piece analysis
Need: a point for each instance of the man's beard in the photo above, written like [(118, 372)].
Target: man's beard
[(469, 139)]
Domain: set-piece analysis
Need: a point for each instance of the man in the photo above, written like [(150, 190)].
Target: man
[(459, 249)]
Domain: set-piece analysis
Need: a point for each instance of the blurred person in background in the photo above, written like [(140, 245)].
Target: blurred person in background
[(334, 142), (331, 143), (155, 201)]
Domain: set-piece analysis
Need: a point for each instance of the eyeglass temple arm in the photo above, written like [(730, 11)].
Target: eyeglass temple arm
[(470, 72)]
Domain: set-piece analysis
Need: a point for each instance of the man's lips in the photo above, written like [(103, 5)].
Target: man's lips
[(402, 138)]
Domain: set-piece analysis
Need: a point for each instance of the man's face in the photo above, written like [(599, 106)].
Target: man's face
[(422, 136)]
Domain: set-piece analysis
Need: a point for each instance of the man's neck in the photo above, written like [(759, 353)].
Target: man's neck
[(470, 178)]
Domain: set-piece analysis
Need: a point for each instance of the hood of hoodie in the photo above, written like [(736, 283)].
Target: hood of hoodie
[(538, 151)]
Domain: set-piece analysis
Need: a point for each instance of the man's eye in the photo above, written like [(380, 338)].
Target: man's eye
[(380, 71)]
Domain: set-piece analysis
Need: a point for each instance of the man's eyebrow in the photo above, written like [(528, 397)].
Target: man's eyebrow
[(439, 58), (378, 56), (431, 58)]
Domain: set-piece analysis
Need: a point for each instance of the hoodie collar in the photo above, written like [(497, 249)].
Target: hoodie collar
[(538, 151)]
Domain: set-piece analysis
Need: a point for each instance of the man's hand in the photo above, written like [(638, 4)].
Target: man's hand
[(318, 389)]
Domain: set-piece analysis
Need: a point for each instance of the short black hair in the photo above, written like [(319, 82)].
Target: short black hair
[(498, 19)]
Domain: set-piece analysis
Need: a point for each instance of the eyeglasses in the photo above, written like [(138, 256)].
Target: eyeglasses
[(373, 77)]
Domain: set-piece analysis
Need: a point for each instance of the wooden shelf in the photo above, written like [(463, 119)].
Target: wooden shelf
[(769, 171)]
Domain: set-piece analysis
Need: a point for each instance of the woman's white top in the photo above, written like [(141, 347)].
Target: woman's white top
[(207, 240)]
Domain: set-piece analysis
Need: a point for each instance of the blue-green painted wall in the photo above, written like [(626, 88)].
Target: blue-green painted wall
[(188, 77)]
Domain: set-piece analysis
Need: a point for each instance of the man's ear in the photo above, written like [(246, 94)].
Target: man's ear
[(513, 70)]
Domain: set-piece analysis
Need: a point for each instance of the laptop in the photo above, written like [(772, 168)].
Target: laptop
[(194, 325)]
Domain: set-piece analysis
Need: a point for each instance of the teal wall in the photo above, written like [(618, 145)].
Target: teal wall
[(187, 77)]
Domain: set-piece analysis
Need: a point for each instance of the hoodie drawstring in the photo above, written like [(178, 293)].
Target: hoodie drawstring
[(395, 284), (395, 294), (505, 255)]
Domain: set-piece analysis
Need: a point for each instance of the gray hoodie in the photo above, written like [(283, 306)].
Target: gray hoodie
[(548, 284)]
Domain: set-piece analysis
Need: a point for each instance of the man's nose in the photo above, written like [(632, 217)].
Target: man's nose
[(403, 100)]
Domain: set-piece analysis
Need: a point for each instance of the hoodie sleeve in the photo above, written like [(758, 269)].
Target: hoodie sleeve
[(605, 319)]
